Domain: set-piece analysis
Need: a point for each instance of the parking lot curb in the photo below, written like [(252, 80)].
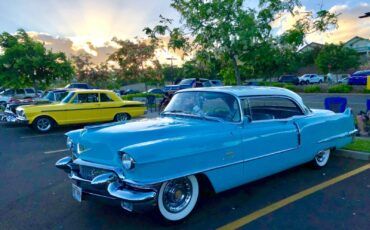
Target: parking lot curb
[(352, 154)]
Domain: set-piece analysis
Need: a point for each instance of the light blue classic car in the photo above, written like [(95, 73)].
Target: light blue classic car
[(220, 136)]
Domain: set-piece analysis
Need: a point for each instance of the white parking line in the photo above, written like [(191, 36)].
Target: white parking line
[(42, 135), (56, 151)]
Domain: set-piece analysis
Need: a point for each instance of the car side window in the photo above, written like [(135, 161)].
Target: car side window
[(29, 91), (85, 98), (268, 108), (19, 91), (105, 98)]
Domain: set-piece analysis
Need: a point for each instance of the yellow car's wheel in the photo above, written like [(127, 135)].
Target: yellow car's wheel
[(43, 124), (121, 117)]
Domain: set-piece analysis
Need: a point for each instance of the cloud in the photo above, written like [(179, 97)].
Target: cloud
[(349, 25)]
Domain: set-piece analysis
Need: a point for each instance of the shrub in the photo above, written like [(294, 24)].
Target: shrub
[(291, 87), (340, 89), (277, 84), (312, 89), (129, 97), (366, 90)]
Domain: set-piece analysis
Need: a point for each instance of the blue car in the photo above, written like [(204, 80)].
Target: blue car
[(225, 136), (187, 83), (359, 78)]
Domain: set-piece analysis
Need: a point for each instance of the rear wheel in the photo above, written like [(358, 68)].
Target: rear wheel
[(43, 124), (177, 198), (321, 159), (121, 117)]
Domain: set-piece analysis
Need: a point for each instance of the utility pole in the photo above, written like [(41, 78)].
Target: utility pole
[(171, 58)]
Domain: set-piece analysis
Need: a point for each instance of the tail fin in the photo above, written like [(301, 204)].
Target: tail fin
[(348, 112)]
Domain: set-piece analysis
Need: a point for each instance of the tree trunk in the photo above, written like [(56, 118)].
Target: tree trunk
[(236, 69)]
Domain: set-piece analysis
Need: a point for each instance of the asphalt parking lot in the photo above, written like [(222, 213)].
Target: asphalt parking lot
[(36, 195)]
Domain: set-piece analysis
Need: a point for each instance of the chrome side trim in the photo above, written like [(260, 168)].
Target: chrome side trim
[(271, 154), (342, 135), (129, 195)]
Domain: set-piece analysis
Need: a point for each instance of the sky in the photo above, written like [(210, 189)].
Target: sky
[(67, 25)]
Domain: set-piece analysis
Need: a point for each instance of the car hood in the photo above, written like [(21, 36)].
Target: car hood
[(145, 140), (42, 106)]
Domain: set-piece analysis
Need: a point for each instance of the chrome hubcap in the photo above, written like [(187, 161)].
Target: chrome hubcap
[(322, 157), (121, 117), (177, 195), (43, 124)]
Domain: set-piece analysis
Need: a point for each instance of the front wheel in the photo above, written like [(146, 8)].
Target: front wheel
[(43, 124), (121, 117), (321, 159), (177, 198)]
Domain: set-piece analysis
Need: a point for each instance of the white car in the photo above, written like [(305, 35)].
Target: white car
[(311, 79), (8, 94)]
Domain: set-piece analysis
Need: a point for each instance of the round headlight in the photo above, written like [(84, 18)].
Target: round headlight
[(69, 143), (127, 161)]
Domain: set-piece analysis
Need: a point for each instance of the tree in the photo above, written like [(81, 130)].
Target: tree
[(232, 31), (336, 58), (136, 60), (25, 62)]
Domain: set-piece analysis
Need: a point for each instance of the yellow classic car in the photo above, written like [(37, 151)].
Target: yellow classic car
[(80, 107)]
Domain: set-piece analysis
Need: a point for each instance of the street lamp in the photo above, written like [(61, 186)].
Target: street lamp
[(365, 15), (171, 58)]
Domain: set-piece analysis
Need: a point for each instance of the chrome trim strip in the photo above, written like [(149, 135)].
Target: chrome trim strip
[(102, 196), (117, 170), (129, 195), (342, 135), (270, 154), (73, 176)]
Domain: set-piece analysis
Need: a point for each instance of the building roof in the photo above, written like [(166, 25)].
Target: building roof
[(242, 91), (355, 38)]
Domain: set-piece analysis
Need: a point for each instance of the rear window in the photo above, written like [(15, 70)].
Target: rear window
[(30, 91)]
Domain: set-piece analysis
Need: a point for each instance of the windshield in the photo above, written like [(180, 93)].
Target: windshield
[(186, 82), (220, 106), (362, 72), (68, 97)]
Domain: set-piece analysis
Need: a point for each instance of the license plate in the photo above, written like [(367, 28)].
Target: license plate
[(76, 193)]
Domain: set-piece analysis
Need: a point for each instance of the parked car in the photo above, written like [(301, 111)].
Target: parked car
[(10, 95), (343, 80), (49, 97), (129, 91), (216, 82), (359, 78), (80, 107), (227, 136), (187, 83), (290, 79), (155, 91), (79, 86), (311, 79)]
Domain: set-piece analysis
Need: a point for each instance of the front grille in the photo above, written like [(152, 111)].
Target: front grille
[(89, 173)]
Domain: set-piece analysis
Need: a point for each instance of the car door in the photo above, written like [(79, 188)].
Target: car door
[(84, 108), (109, 108), (270, 140)]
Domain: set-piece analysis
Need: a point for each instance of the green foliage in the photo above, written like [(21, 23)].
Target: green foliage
[(25, 62), (359, 145), (366, 90), (336, 58), (130, 97), (136, 60), (312, 89), (292, 87), (340, 89)]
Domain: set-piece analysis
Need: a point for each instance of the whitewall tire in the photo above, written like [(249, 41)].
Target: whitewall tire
[(321, 159), (177, 198)]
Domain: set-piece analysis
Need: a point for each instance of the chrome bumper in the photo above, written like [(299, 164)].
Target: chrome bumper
[(110, 181), (8, 116)]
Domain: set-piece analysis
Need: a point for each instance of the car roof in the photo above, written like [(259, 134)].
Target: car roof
[(243, 91), (92, 90)]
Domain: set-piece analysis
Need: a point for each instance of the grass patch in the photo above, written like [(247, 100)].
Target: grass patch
[(312, 89), (359, 145), (340, 89)]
